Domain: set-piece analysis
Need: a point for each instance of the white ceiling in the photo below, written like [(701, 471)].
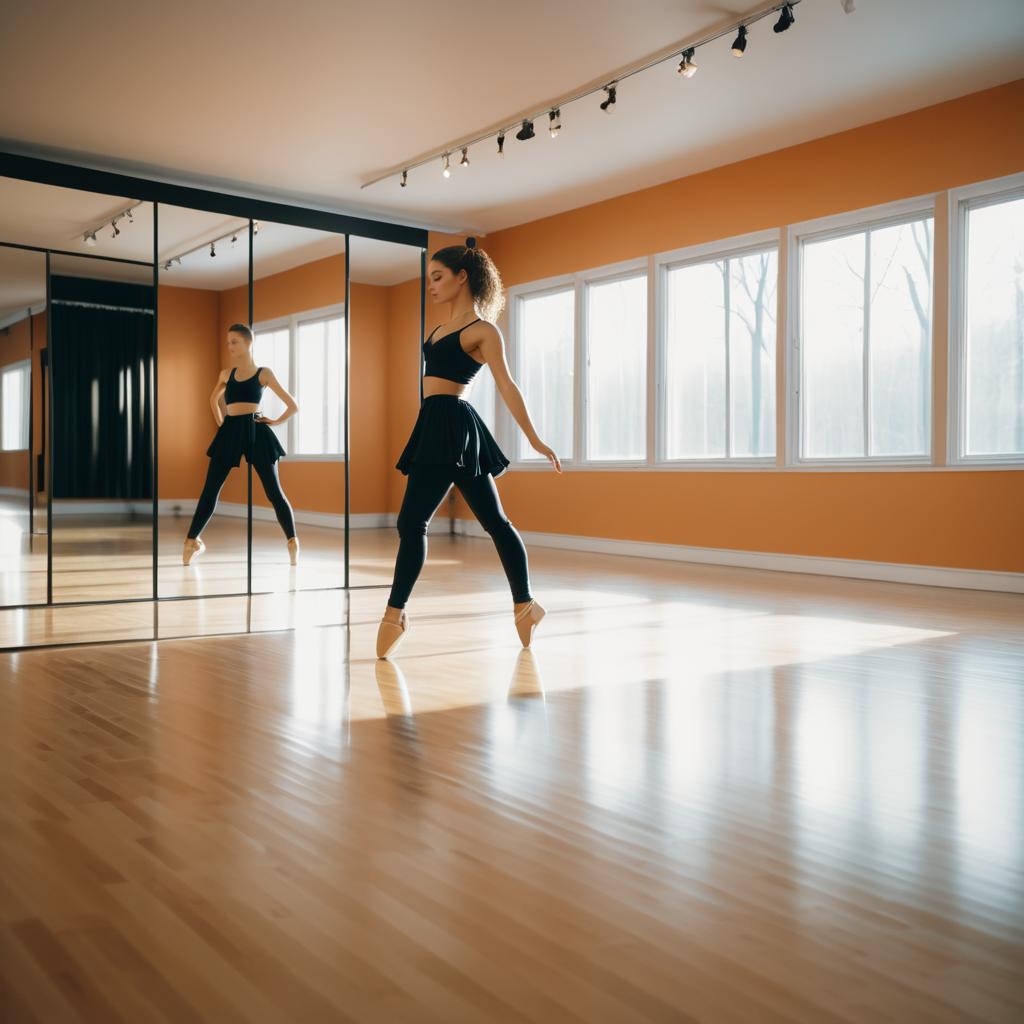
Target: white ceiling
[(309, 99)]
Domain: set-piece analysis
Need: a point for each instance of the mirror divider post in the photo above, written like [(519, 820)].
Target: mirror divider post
[(31, 432), (423, 317), (248, 463), (154, 469), (49, 461), (348, 324)]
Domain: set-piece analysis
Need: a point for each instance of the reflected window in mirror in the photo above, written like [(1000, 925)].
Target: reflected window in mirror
[(306, 352), (14, 405)]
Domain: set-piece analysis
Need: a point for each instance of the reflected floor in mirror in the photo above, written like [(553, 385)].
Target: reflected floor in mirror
[(706, 794)]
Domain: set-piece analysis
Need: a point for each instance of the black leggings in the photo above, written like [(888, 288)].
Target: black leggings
[(426, 487), (215, 477)]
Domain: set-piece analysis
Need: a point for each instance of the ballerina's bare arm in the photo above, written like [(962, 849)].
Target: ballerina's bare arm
[(292, 407), (217, 394), (491, 346)]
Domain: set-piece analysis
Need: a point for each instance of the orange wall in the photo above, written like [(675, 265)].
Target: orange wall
[(957, 518)]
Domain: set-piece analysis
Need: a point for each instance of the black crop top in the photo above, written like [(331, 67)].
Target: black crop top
[(248, 390), (451, 361)]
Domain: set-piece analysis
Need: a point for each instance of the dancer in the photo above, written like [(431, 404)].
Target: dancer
[(244, 431), (450, 444)]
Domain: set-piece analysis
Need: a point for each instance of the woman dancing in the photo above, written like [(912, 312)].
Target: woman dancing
[(244, 431), (450, 444)]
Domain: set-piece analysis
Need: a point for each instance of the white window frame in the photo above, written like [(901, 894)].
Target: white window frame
[(707, 252), (21, 364), (578, 281), (959, 200), (836, 226), (292, 322)]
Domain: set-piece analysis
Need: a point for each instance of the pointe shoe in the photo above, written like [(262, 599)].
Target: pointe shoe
[(293, 550), (193, 549), (390, 635), (527, 620)]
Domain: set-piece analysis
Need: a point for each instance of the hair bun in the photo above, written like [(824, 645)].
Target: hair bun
[(471, 242)]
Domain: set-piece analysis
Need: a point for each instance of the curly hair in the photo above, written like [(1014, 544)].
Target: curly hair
[(484, 280)]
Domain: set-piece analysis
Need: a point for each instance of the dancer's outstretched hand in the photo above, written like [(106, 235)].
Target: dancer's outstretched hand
[(549, 454)]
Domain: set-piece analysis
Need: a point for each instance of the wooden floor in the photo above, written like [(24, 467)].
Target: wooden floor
[(708, 794)]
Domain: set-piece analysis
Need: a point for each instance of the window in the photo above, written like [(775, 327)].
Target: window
[(718, 358), (544, 326), (987, 322), (14, 401), (863, 340), (615, 344), (306, 353)]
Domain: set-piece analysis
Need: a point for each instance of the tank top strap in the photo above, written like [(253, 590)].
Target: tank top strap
[(470, 324)]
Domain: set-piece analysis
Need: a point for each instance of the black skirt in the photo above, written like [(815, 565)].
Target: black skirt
[(449, 431), (242, 435)]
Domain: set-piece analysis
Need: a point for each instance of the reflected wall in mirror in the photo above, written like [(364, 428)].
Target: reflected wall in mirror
[(101, 389), (203, 270), (299, 356), (23, 544), (385, 299)]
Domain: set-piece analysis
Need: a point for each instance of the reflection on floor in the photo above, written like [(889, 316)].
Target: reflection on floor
[(22, 554), (708, 794)]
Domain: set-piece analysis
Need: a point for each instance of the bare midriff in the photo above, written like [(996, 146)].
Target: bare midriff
[(241, 408), (443, 386)]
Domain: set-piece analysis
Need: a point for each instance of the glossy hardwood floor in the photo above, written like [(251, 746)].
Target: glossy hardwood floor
[(707, 794)]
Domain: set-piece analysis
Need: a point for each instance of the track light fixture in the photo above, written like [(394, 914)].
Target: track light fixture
[(686, 66), (234, 240), (464, 162), (526, 132), (213, 250), (446, 167), (89, 238), (405, 179), (848, 6), (116, 230), (128, 214), (785, 19), (255, 227)]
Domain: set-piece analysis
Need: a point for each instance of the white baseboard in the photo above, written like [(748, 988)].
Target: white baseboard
[(889, 572)]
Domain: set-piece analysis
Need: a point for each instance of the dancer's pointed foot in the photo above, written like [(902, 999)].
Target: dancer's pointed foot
[(194, 547), (390, 634), (293, 550), (527, 618)]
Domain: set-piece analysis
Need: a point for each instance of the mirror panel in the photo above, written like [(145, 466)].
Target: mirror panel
[(203, 271), (385, 296), (299, 322), (102, 318), (23, 544)]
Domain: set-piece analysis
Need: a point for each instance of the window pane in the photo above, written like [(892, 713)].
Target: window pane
[(695, 362), (994, 330), (544, 347), (14, 406), (899, 340), (271, 349), (617, 369), (335, 376), (752, 285), (832, 347)]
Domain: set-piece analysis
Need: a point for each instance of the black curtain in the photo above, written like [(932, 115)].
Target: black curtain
[(101, 362)]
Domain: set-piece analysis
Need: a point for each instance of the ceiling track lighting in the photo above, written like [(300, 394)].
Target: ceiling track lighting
[(686, 66), (405, 179), (786, 19), (464, 162), (213, 250), (89, 238), (526, 132)]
